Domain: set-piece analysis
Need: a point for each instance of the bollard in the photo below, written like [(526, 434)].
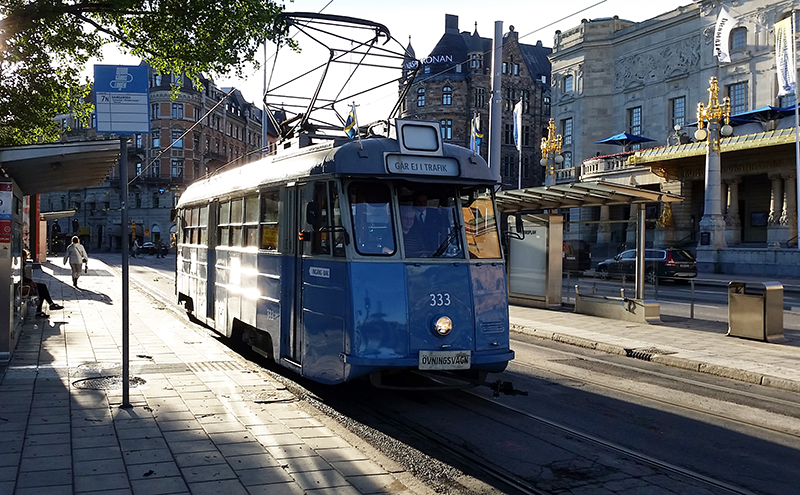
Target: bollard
[(691, 300)]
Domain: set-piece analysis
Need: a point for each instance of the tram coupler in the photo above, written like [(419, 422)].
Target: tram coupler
[(507, 388)]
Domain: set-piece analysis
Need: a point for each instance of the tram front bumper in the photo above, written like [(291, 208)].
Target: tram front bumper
[(477, 358)]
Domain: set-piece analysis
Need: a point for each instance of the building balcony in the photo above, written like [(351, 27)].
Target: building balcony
[(601, 167), (566, 175)]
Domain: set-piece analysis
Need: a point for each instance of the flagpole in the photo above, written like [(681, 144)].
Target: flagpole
[(796, 141)]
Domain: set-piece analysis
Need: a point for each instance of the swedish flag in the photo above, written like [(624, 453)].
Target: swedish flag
[(351, 126)]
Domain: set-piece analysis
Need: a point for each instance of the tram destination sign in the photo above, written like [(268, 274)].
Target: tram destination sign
[(438, 166)]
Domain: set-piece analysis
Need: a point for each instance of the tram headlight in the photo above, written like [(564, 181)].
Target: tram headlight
[(443, 326)]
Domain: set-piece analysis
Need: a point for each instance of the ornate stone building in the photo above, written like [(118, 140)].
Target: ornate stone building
[(195, 134), (455, 83), (612, 76)]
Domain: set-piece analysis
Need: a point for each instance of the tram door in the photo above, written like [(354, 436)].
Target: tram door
[(318, 287)]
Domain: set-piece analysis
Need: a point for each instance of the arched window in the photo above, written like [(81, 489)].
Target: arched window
[(568, 85), (447, 95), (421, 97), (738, 38)]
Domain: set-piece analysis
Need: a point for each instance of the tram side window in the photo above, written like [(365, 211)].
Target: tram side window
[(202, 226), (224, 223), (480, 223), (251, 221), (270, 210), (338, 232), (236, 222), (317, 219), (370, 204)]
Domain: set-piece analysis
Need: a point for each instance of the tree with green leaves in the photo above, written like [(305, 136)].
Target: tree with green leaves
[(46, 44)]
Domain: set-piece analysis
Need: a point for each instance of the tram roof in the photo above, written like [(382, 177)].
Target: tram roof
[(577, 194), (350, 159)]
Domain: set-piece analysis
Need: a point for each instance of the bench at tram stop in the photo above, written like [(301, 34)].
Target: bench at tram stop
[(617, 307)]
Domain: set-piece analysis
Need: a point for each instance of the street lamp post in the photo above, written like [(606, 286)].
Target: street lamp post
[(551, 147), (712, 224)]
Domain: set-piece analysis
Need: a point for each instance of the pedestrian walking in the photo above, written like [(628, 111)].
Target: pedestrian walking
[(160, 248), (76, 256)]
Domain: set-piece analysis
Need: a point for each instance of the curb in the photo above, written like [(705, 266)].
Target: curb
[(664, 359)]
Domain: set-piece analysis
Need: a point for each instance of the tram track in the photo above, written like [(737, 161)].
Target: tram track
[(737, 410)]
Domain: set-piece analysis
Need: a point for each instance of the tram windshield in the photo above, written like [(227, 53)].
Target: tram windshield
[(429, 220)]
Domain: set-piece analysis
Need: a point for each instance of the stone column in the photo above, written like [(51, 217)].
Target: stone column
[(712, 224), (733, 223), (790, 208), (604, 229), (776, 233), (630, 234)]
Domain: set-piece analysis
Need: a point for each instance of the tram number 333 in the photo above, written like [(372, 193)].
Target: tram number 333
[(440, 299)]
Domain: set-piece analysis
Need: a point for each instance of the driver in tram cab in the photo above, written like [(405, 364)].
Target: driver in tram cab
[(413, 237)]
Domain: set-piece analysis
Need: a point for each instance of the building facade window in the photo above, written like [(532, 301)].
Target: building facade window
[(738, 39), (788, 101), (505, 67), (516, 69), (635, 124), (177, 139), (155, 111), (678, 111), (480, 98), (635, 121), (176, 168), (177, 110), (447, 95), (447, 129), (476, 61), (138, 169), (421, 97), (566, 131), (738, 95), (138, 141), (508, 134), (155, 139), (568, 84)]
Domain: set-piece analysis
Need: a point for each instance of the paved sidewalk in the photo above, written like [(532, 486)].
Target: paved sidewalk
[(203, 420), (691, 344)]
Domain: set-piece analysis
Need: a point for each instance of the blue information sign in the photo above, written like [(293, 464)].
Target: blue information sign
[(122, 99)]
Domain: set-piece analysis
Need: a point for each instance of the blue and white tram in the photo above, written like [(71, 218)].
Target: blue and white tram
[(345, 260)]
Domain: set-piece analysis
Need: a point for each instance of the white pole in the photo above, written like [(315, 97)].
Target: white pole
[(495, 109)]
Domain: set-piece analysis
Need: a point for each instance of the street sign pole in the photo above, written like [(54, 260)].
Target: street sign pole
[(122, 107), (123, 182)]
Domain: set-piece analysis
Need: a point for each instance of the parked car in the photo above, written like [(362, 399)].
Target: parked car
[(151, 248), (671, 263), (576, 256)]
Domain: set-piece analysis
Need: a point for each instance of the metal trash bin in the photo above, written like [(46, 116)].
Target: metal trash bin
[(755, 315)]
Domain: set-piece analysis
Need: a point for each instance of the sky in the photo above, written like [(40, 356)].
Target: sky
[(423, 21)]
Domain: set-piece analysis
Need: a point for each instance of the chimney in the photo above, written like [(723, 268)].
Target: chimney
[(451, 24)]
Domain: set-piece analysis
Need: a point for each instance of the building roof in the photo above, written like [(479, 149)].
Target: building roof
[(454, 48), (577, 194), (46, 168)]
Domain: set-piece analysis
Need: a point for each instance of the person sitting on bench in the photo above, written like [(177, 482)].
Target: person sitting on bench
[(40, 288)]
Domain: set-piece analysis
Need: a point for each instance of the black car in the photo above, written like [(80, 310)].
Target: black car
[(669, 263), (151, 248), (576, 256)]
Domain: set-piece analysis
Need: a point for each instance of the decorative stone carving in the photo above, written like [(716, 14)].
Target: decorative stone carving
[(647, 68)]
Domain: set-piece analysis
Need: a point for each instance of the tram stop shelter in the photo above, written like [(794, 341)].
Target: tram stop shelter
[(26, 172), (535, 255)]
